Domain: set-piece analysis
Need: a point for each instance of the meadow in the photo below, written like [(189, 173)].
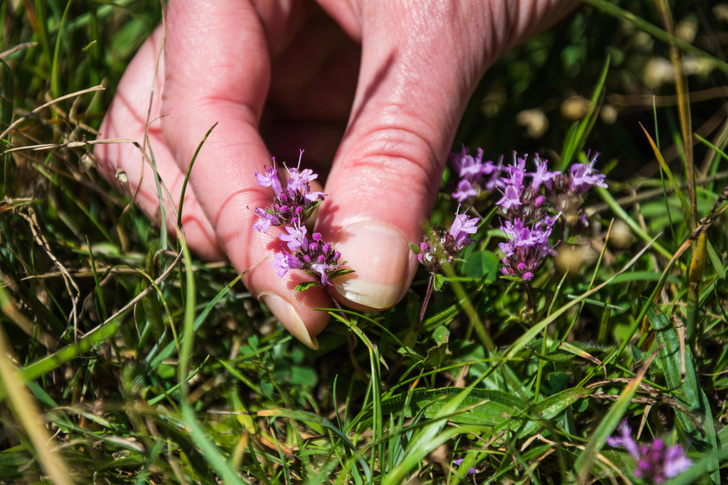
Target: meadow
[(125, 359)]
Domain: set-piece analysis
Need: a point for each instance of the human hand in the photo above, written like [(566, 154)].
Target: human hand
[(283, 75)]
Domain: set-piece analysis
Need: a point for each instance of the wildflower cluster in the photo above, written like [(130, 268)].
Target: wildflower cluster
[(440, 246), (474, 176), (526, 247), (292, 206), (654, 462), (531, 202)]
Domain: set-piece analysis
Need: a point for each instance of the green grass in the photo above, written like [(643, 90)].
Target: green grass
[(118, 364)]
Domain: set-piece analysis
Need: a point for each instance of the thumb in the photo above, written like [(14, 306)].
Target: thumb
[(415, 80)]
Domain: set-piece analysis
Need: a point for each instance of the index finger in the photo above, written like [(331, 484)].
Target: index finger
[(217, 70)]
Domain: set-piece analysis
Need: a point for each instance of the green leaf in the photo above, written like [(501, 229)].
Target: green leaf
[(441, 335), (187, 176), (555, 382), (309, 210), (438, 281), (482, 264), (486, 407), (428, 438), (340, 272), (306, 285), (437, 356)]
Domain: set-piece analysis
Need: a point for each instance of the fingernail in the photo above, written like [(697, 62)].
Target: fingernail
[(379, 255), (288, 317)]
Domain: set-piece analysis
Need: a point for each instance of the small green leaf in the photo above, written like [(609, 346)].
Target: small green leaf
[(437, 356), (340, 272), (441, 335), (414, 248), (482, 264), (438, 282), (306, 285), (309, 210), (555, 382)]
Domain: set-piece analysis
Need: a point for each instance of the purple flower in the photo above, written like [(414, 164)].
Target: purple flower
[(295, 238), (464, 191), (323, 270), (654, 462), (526, 247), (461, 228), (465, 165), (299, 181), (291, 207), (284, 262), (584, 176), (264, 220), (527, 208), (517, 172), (270, 179), (625, 439), (440, 247), (494, 179), (292, 204), (542, 175), (471, 172), (471, 471), (675, 461), (511, 197), (314, 196), (513, 193)]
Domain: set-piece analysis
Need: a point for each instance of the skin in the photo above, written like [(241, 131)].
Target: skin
[(372, 90)]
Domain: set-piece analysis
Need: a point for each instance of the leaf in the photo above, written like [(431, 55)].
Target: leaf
[(438, 281), (340, 272), (482, 264), (555, 382), (306, 285), (577, 138), (297, 375), (310, 209), (441, 335), (486, 407), (670, 362), (436, 356)]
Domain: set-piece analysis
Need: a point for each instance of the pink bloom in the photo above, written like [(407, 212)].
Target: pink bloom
[(269, 179), (654, 462), (461, 227), (542, 175), (284, 262), (511, 197), (295, 238), (264, 220)]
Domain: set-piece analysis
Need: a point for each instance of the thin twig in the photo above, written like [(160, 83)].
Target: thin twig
[(49, 103), (141, 295)]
